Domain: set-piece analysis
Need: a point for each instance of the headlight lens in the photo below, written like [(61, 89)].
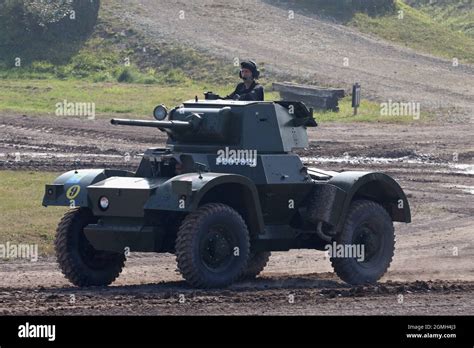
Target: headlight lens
[(103, 203), (160, 112)]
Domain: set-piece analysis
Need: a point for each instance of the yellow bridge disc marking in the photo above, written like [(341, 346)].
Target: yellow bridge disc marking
[(73, 191)]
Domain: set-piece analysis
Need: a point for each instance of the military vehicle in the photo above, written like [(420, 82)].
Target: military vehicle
[(225, 192)]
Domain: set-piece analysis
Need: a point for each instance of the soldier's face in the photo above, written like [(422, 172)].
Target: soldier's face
[(246, 74)]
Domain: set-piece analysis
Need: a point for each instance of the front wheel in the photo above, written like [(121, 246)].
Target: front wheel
[(212, 246), (78, 260), (368, 234)]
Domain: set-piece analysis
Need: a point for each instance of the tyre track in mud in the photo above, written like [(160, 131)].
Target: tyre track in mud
[(424, 142), (309, 294)]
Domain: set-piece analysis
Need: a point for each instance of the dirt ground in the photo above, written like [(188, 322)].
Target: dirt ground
[(432, 268)]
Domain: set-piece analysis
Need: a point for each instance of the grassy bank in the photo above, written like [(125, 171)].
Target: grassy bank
[(114, 52), (418, 30), (458, 15)]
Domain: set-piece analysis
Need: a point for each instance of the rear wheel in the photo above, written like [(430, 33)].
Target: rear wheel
[(78, 260), (368, 228), (212, 246)]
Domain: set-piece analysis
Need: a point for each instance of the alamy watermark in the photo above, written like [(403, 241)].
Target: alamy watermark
[(236, 157), (66, 108), (37, 331), (19, 251), (356, 251), (392, 108)]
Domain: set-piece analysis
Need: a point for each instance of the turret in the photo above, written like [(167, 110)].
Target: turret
[(206, 125)]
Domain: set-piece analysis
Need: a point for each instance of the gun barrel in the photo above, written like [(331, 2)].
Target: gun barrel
[(178, 125)]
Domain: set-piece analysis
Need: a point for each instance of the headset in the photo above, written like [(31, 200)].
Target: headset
[(255, 71)]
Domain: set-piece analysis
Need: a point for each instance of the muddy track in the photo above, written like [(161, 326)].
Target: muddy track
[(432, 278), (273, 293), (151, 285)]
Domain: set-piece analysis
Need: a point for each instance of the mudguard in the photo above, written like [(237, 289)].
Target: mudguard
[(70, 188), (185, 193), (375, 186)]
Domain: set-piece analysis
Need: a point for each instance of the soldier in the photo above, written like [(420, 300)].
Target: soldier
[(249, 89)]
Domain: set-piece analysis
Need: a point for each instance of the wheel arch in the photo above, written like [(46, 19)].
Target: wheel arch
[(377, 187), (56, 194), (237, 192)]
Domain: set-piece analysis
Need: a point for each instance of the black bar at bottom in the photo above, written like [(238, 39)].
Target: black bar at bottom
[(374, 330)]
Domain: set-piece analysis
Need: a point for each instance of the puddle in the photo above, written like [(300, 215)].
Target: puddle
[(437, 167), (359, 160), (461, 188), (463, 168), (459, 168), (49, 155)]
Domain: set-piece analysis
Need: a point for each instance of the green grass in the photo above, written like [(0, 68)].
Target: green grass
[(419, 31), (458, 15), (39, 97), (367, 112), (24, 219)]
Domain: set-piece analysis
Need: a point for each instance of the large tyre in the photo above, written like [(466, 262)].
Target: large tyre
[(206, 246), (368, 224), (79, 261), (256, 264)]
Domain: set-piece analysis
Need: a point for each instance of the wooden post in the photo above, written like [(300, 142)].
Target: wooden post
[(356, 97)]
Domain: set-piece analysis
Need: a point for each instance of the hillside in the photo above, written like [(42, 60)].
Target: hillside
[(308, 47), (110, 51), (458, 15), (150, 43)]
